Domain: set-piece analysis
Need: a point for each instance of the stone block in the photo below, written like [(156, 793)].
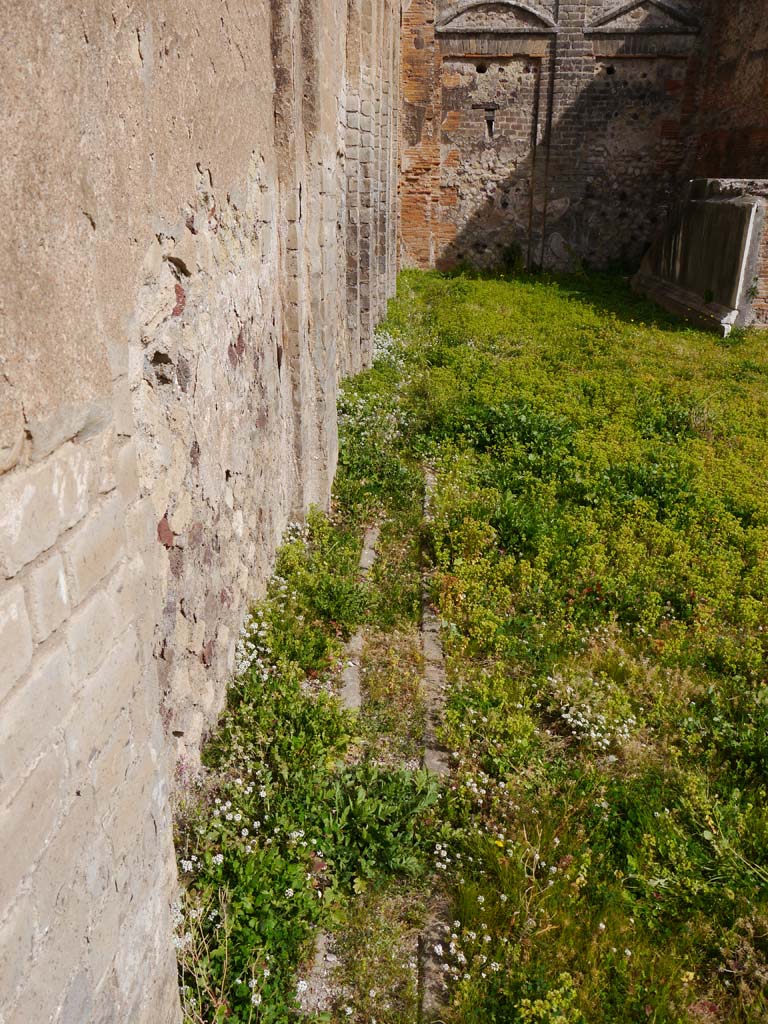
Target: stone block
[(127, 593), (293, 207), (165, 997), (105, 1001), (17, 943), (15, 638), (141, 526), (102, 698), (139, 934), (47, 597), (42, 994), (96, 547), (113, 763), (141, 803), (78, 1000), (101, 450), (106, 925), (37, 504), (705, 264), (122, 410), (293, 318), (293, 235), (127, 472), (33, 714), (61, 870), (31, 817), (89, 636)]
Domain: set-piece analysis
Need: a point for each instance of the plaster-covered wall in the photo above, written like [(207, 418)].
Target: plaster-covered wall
[(199, 236)]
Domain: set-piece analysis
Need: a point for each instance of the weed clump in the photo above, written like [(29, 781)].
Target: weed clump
[(285, 826)]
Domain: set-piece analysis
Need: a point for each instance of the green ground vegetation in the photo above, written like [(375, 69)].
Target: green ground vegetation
[(306, 816), (598, 554)]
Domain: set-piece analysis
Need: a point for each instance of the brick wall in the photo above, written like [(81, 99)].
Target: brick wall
[(593, 103), (199, 207), (732, 125)]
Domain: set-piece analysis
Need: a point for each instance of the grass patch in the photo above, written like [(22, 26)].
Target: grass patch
[(598, 548), (377, 949), (283, 830), (599, 545), (393, 716)]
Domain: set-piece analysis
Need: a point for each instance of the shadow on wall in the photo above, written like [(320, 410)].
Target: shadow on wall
[(591, 190)]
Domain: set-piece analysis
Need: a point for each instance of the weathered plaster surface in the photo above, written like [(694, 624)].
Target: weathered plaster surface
[(199, 208)]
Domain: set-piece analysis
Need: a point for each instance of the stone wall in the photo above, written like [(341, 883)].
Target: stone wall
[(548, 132), (199, 229), (732, 125), (710, 262)]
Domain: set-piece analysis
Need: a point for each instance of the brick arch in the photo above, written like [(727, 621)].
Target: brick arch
[(457, 9), (678, 14)]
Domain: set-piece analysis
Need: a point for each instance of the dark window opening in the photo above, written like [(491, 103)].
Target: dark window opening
[(490, 116), (610, 70), (481, 68)]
